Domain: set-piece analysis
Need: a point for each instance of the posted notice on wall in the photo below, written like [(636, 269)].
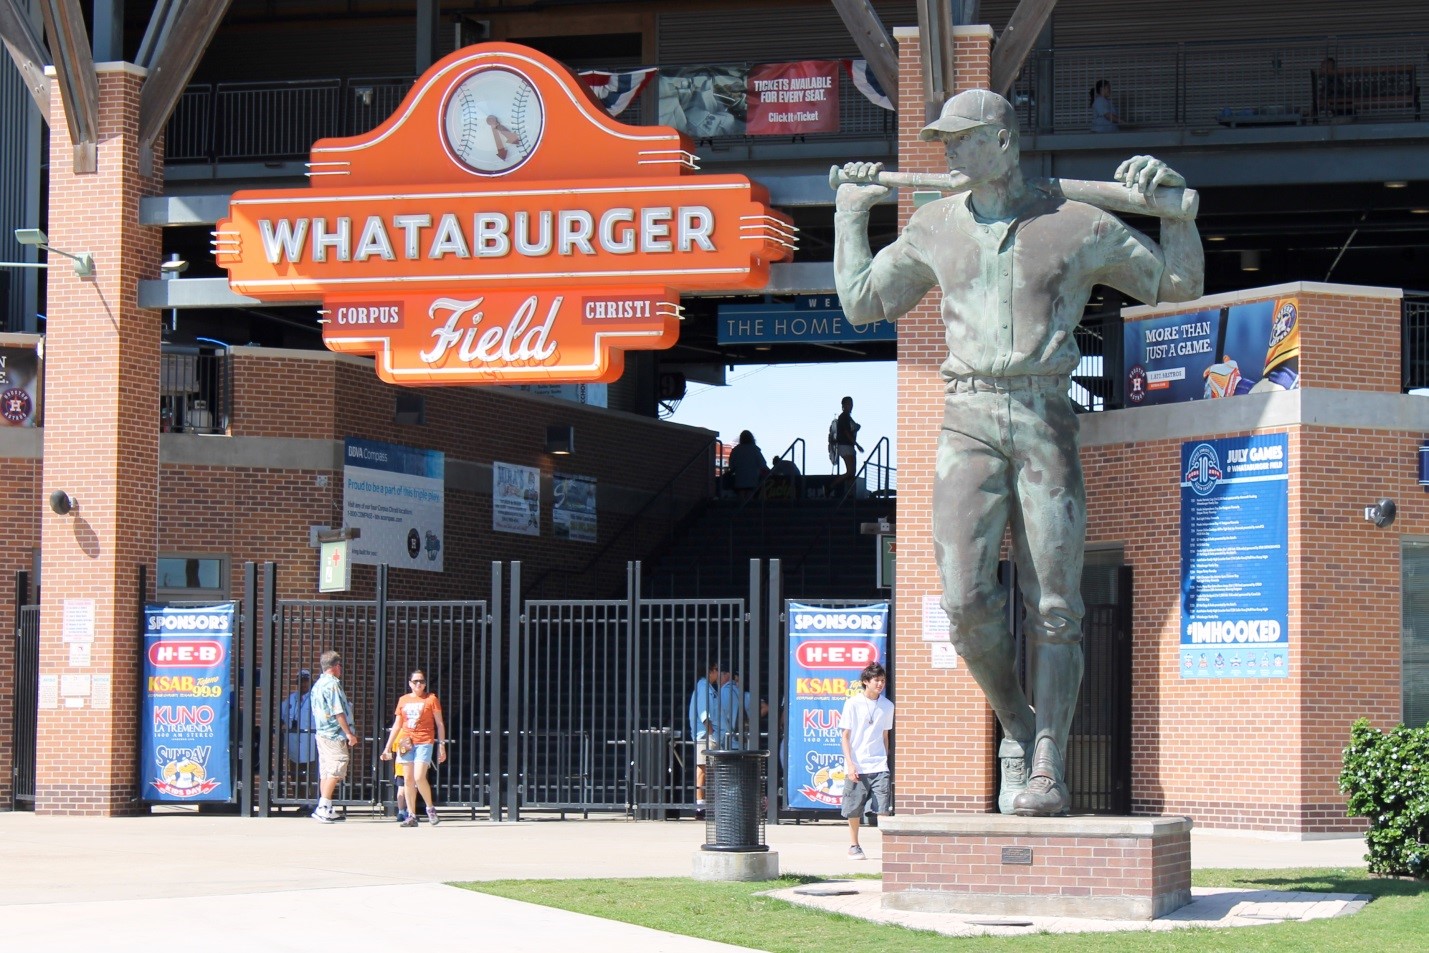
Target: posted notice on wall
[(828, 648), (187, 703), (1234, 558), (573, 507), (515, 499), (396, 497)]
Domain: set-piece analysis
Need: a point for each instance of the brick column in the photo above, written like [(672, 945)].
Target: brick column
[(102, 447), (945, 753)]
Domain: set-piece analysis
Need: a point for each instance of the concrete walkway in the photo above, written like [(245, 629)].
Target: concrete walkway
[(122, 884)]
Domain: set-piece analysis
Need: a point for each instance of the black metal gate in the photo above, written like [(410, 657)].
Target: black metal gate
[(381, 641), (600, 693), (25, 715)]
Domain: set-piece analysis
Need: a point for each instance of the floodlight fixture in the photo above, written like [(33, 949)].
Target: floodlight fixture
[(83, 261)]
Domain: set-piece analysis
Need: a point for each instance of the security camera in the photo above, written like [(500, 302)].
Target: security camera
[(61, 502), (1382, 513)]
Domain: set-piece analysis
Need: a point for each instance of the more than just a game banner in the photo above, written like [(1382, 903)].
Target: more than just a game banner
[(828, 648), (188, 703), (396, 496), (1235, 558), (1250, 348)]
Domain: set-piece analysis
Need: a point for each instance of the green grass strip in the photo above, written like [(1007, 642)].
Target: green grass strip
[(1396, 919)]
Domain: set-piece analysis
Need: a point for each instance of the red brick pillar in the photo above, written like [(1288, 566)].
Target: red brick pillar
[(945, 753), (101, 447)]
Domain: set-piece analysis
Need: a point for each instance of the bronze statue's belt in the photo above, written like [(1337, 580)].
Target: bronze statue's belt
[(1005, 385)]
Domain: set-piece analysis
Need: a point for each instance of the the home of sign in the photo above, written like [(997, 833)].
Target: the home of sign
[(499, 227)]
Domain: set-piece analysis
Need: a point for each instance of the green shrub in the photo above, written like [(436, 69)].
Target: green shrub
[(1386, 775)]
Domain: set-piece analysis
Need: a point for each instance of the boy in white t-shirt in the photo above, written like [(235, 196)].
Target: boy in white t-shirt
[(867, 719)]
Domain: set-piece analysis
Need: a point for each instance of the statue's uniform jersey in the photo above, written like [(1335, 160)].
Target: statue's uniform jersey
[(1013, 291)]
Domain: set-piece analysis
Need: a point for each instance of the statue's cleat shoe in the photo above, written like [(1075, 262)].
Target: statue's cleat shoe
[(1012, 761), (1045, 797)]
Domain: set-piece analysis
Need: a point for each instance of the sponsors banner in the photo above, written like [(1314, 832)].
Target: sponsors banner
[(19, 387), (789, 99), (1245, 349), (1234, 558), (704, 101), (573, 507), (187, 707), (515, 499), (396, 496), (828, 647)]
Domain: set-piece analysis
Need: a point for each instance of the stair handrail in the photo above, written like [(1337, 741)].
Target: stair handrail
[(702, 455), (882, 450)]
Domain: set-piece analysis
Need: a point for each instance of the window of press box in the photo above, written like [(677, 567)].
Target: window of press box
[(193, 577)]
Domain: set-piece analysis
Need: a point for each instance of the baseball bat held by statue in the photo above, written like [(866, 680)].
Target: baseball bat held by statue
[(1176, 203)]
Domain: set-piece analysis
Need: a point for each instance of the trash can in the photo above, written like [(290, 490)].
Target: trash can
[(734, 817), (654, 760)]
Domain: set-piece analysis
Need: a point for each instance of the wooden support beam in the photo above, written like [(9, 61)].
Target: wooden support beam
[(79, 86), (1017, 40), (28, 51), (180, 48), (873, 42)]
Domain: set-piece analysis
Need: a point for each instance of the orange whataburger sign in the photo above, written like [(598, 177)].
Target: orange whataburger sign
[(500, 228)]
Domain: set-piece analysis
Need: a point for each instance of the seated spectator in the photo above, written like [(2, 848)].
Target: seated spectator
[(1104, 115), (784, 480)]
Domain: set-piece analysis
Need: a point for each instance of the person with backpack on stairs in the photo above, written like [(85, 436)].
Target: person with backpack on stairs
[(844, 446)]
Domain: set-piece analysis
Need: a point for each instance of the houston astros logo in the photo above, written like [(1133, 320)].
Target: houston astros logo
[(492, 121)]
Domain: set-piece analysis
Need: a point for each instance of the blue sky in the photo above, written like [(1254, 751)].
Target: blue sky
[(779, 402)]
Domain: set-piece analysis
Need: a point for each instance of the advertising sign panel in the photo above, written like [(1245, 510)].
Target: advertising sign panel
[(501, 228), (573, 507), (1235, 558), (19, 386), (1247, 348), (187, 706), (828, 647), (515, 499), (395, 496), (790, 99)]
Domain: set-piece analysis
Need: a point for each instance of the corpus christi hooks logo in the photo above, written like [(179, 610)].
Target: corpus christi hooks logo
[(1203, 470), (492, 121)]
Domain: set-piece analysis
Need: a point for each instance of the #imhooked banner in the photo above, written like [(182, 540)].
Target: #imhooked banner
[(1235, 572), (828, 648), (187, 706)]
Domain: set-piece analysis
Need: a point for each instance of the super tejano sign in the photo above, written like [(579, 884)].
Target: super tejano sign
[(499, 227)]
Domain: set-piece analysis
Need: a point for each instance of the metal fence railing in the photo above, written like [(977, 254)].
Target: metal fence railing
[(1414, 342), (1225, 82), (27, 698), (195, 389)]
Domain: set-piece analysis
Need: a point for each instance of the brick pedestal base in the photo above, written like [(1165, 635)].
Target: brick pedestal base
[(1115, 868)]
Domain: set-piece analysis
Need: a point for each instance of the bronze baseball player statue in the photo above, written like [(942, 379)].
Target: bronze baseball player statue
[(1016, 261)]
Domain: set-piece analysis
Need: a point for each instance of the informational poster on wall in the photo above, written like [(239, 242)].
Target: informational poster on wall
[(396, 496), (19, 387), (1247, 348), (828, 648), (1234, 558), (790, 99), (515, 499), (187, 706), (573, 507)]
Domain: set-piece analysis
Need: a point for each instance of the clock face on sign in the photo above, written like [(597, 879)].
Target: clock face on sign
[(492, 121)]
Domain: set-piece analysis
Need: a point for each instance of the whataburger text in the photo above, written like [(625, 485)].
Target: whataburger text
[(694, 234), (566, 232)]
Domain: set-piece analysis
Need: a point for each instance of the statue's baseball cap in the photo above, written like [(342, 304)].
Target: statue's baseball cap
[(974, 107)]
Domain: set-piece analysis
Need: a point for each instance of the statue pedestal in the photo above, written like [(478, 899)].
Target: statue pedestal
[(1113, 868)]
